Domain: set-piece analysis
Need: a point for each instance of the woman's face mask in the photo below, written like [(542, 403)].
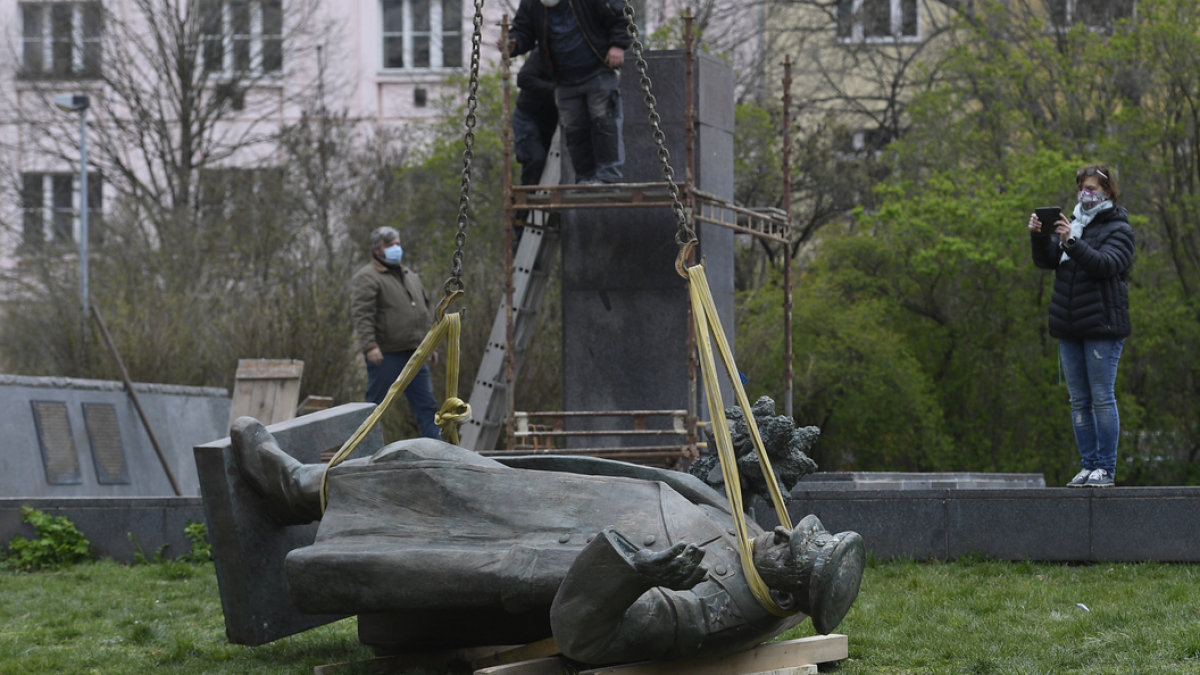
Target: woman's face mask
[(1089, 199), (550, 3)]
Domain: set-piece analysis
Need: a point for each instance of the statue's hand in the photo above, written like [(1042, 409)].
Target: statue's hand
[(677, 568)]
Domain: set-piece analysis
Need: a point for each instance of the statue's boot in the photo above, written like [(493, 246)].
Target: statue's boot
[(292, 489), (833, 565)]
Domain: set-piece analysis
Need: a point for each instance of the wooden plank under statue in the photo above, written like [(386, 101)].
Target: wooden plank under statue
[(438, 548)]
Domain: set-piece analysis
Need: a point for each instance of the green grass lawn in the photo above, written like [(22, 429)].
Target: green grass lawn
[(968, 617)]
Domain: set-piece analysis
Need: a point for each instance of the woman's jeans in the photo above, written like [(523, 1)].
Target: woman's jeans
[(1090, 367)]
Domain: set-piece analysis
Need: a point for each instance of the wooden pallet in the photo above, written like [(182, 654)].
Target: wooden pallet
[(794, 657)]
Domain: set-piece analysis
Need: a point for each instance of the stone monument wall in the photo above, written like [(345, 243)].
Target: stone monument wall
[(63, 437)]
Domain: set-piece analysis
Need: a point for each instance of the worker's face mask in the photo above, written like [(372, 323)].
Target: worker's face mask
[(393, 254), (550, 3)]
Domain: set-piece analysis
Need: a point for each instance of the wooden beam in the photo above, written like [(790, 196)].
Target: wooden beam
[(554, 665), (762, 659), (480, 659)]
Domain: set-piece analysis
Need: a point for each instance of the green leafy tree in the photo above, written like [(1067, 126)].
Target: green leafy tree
[(939, 266)]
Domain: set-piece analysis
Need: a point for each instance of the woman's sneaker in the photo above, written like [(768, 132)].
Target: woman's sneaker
[(1099, 478), (1080, 478)]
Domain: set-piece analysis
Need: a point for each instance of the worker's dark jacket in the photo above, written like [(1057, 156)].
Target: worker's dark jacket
[(389, 307), (1091, 292), (603, 24), (537, 90)]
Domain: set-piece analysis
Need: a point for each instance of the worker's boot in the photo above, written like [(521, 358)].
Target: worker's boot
[(291, 489)]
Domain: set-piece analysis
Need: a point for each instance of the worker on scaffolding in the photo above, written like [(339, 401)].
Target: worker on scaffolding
[(535, 118), (584, 43)]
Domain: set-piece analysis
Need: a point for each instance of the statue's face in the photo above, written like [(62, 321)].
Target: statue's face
[(775, 560)]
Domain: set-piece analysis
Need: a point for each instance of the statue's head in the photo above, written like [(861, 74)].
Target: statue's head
[(810, 570)]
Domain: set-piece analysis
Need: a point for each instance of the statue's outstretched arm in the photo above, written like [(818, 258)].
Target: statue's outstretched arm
[(617, 603)]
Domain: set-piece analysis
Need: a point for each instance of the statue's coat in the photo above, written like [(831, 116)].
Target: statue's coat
[(437, 535)]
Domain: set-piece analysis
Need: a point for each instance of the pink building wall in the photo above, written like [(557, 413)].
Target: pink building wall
[(351, 38)]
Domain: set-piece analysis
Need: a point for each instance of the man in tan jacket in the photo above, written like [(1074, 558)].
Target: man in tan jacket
[(391, 315)]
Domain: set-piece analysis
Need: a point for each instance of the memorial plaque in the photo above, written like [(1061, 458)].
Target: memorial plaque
[(104, 434), (57, 443)]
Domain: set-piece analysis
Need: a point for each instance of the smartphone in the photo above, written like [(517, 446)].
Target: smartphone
[(1049, 216)]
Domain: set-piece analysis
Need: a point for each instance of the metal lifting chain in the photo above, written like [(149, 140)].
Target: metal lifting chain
[(686, 234), (454, 284)]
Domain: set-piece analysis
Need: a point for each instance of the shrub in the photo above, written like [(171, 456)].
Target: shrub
[(197, 533), (58, 543)]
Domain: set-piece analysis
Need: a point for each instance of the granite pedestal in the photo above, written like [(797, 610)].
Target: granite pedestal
[(625, 309)]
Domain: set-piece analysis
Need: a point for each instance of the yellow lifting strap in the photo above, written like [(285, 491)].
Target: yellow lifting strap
[(453, 413), (708, 330)]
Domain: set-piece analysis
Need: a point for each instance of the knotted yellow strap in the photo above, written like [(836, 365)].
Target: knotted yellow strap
[(453, 413), (708, 330)]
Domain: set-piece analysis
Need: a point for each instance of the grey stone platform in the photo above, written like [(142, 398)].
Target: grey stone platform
[(107, 522), (1055, 524), (896, 480)]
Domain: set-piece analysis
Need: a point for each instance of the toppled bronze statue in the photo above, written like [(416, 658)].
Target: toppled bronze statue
[(436, 547)]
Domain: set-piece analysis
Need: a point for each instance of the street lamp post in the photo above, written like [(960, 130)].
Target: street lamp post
[(79, 104)]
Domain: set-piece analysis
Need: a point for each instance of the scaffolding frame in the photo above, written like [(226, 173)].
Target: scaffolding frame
[(770, 224)]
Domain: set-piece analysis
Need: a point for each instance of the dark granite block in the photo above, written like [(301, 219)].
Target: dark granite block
[(1130, 524), (626, 354), (1051, 524), (891, 526), (625, 309), (620, 249), (249, 547), (713, 148), (714, 91), (108, 522)]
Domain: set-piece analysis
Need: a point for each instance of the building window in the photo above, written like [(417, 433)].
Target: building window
[(877, 20), (863, 143), (243, 38), (1096, 15), (239, 198), (420, 34), (61, 39), (50, 204)]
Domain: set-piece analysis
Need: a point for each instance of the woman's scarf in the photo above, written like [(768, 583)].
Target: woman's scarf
[(1080, 219)]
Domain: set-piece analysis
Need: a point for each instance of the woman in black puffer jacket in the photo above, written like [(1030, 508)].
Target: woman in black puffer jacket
[(1089, 313)]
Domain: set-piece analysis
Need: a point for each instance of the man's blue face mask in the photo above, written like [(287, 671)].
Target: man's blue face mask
[(393, 254)]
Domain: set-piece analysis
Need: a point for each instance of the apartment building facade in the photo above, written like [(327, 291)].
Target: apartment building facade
[(383, 64)]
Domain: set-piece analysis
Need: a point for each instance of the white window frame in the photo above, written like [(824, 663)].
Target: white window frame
[(229, 39), (408, 35), (47, 210), (47, 40), (857, 35), (1070, 10)]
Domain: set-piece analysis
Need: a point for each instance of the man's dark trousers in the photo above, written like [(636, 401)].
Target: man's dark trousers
[(419, 392), (531, 143), (591, 117)]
